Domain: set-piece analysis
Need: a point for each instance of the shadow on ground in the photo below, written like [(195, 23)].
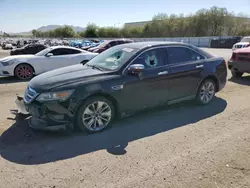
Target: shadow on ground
[(20, 144), (10, 79), (245, 80)]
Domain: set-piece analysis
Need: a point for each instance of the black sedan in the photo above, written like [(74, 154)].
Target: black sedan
[(121, 81), (28, 49)]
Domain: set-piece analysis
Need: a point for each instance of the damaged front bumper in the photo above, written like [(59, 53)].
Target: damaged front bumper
[(51, 116)]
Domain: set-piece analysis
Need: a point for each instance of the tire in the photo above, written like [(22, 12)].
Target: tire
[(95, 121), (24, 71), (206, 92), (236, 74)]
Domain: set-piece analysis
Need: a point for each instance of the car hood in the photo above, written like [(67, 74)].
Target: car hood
[(242, 43), (64, 76), (242, 50), (18, 49), (16, 57), (94, 48)]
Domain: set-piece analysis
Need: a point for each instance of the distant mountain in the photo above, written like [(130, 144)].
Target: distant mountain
[(48, 28), (53, 27)]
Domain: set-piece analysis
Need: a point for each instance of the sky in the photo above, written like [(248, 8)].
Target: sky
[(25, 15)]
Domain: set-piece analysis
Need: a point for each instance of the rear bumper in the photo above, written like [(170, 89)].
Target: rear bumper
[(222, 79), (51, 116), (239, 66)]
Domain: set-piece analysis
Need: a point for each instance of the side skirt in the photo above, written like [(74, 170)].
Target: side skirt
[(188, 98)]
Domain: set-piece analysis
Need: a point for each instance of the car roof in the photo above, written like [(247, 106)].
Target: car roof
[(122, 39), (141, 45), (68, 47)]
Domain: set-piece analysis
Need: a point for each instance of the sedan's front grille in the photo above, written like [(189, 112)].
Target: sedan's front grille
[(29, 95)]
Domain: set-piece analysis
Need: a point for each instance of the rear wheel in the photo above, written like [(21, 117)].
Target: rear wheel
[(236, 74), (24, 72), (95, 115), (206, 92)]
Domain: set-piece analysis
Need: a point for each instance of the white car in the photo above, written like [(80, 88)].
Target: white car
[(244, 43), (25, 66), (7, 46)]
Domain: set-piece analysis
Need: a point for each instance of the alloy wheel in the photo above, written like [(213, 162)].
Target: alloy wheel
[(97, 116), (207, 92), (24, 72)]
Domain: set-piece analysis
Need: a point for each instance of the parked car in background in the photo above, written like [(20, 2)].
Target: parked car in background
[(108, 44), (25, 66), (244, 43), (92, 45), (121, 81), (240, 62), (7, 46), (28, 49)]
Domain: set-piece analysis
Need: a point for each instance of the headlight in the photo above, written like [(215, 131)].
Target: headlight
[(53, 96), (8, 63)]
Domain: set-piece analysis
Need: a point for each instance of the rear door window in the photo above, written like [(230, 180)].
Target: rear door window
[(59, 51), (64, 51), (178, 55)]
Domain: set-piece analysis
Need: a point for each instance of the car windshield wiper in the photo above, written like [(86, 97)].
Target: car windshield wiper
[(95, 67)]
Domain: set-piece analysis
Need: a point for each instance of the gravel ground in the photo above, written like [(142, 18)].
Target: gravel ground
[(179, 146)]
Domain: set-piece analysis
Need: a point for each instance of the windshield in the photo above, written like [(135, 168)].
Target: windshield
[(246, 39), (26, 45), (43, 52), (113, 58)]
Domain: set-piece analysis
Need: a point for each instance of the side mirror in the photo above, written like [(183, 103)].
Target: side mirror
[(49, 54), (84, 62), (136, 69)]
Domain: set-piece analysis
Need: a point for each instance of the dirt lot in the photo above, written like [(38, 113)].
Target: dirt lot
[(178, 146)]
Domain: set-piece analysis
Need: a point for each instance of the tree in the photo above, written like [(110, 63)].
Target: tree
[(34, 33), (91, 31)]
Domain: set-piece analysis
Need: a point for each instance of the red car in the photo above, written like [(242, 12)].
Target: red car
[(240, 62), (108, 44)]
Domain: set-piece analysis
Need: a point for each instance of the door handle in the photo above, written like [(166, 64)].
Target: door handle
[(199, 66), (163, 73)]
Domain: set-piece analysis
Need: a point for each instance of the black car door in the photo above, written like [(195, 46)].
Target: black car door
[(150, 88), (186, 66)]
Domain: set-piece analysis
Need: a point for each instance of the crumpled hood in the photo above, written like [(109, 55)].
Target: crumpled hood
[(242, 43), (242, 50), (63, 76), (16, 57)]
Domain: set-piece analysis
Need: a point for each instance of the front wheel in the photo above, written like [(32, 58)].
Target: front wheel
[(236, 74), (95, 114), (206, 92), (24, 72)]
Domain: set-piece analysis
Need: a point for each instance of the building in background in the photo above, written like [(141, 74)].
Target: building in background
[(137, 24)]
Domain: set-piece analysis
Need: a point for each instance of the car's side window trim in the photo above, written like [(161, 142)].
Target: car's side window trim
[(158, 47), (180, 63), (165, 47)]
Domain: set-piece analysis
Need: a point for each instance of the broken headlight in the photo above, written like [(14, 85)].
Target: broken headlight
[(54, 96)]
